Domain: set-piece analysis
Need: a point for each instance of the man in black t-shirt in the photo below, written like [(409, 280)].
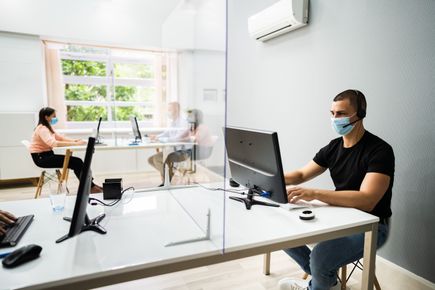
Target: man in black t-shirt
[(362, 169)]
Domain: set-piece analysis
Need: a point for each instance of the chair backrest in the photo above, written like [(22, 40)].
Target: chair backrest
[(26, 143), (204, 152)]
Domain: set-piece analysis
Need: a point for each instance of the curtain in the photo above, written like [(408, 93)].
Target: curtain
[(54, 81)]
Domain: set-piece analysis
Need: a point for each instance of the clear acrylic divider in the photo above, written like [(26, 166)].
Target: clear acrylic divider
[(196, 170)]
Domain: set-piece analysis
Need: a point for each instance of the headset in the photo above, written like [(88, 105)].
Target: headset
[(360, 101)]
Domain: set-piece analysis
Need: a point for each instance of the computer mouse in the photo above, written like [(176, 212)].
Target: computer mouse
[(22, 255), (233, 183)]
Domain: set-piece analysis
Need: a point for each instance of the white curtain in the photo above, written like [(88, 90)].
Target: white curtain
[(54, 81)]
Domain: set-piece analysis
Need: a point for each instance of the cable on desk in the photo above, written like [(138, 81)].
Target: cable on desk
[(223, 189), (95, 201), (131, 198)]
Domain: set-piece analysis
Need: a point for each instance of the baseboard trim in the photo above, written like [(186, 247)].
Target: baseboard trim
[(394, 277)]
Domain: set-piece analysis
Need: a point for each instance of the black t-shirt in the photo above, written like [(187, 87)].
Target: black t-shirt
[(348, 166)]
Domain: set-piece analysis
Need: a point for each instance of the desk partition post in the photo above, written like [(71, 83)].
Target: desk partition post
[(370, 241), (194, 240)]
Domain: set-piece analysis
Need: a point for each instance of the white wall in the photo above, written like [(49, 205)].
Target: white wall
[(21, 73), (196, 25), (118, 22), (384, 48), (21, 95)]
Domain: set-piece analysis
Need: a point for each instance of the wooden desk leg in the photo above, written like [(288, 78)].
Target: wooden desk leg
[(266, 263), (368, 275)]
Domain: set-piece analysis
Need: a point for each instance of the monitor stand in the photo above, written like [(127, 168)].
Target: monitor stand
[(250, 201), (89, 225), (136, 141)]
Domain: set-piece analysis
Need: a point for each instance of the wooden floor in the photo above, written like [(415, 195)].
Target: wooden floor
[(240, 274), (243, 274)]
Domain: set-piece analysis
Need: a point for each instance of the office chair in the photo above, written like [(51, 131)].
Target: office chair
[(59, 176), (198, 153)]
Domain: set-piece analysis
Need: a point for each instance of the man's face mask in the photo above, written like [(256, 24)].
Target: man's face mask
[(342, 125)]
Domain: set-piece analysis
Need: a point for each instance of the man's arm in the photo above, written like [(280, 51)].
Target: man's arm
[(371, 191), (309, 171)]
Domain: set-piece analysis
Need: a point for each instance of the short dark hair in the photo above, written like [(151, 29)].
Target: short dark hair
[(356, 99), (45, 112)]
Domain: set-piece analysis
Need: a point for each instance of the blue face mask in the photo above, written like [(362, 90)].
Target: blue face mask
[(53, 121), (342, 125)]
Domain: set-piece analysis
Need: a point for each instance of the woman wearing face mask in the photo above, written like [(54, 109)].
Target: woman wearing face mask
[(44, 139)]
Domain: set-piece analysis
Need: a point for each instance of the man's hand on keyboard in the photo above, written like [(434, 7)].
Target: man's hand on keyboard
[(7, 217)]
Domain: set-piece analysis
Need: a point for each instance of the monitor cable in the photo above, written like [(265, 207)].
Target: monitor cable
[(96, 201)]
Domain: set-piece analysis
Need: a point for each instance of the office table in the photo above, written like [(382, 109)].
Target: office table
[(137, 230), (119, 144)]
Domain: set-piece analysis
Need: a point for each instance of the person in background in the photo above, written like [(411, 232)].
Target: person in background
[(200, 134), (178, 131), (44, 139), (6, 219)]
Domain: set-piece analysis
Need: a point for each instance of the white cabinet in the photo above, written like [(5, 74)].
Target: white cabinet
[(15, 160)]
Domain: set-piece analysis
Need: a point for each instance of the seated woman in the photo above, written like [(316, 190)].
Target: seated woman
[(44, 138)]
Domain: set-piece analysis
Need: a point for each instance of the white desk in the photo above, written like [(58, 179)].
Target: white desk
[(137, 231), (121, 144)]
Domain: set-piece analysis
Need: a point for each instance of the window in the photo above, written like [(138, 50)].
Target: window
[(113, 84)]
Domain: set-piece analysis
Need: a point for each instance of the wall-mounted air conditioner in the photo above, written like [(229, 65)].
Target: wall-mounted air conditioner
[(281, 17)]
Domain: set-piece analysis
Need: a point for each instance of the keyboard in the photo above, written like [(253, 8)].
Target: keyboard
[(16, 231)]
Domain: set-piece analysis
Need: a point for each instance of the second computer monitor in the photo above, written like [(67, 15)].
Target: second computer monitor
[(136, 130), (255, 161), (97, 135)]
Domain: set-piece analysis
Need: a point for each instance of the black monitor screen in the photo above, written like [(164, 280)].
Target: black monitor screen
[(80, 221), (255, 161), (83, 191), (136, 130)]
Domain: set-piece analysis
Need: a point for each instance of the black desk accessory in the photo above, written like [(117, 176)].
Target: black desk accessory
[(112, 188), (21, 256)]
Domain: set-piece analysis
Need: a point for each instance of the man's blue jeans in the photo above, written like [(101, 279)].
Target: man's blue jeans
[(327, 257)]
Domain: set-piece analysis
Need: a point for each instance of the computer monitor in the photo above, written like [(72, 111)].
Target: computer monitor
[(255, 162), (136, 130), (80, 221), (97, 136)]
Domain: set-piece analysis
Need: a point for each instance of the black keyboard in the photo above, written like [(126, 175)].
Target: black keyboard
[(16, 231)]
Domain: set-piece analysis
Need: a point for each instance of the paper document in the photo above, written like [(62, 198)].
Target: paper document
[(291, 206)]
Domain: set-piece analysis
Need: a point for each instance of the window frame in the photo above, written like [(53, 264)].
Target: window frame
[(110, 82)]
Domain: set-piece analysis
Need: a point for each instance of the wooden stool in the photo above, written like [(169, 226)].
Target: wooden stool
[(61, 175), (344, 278)]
